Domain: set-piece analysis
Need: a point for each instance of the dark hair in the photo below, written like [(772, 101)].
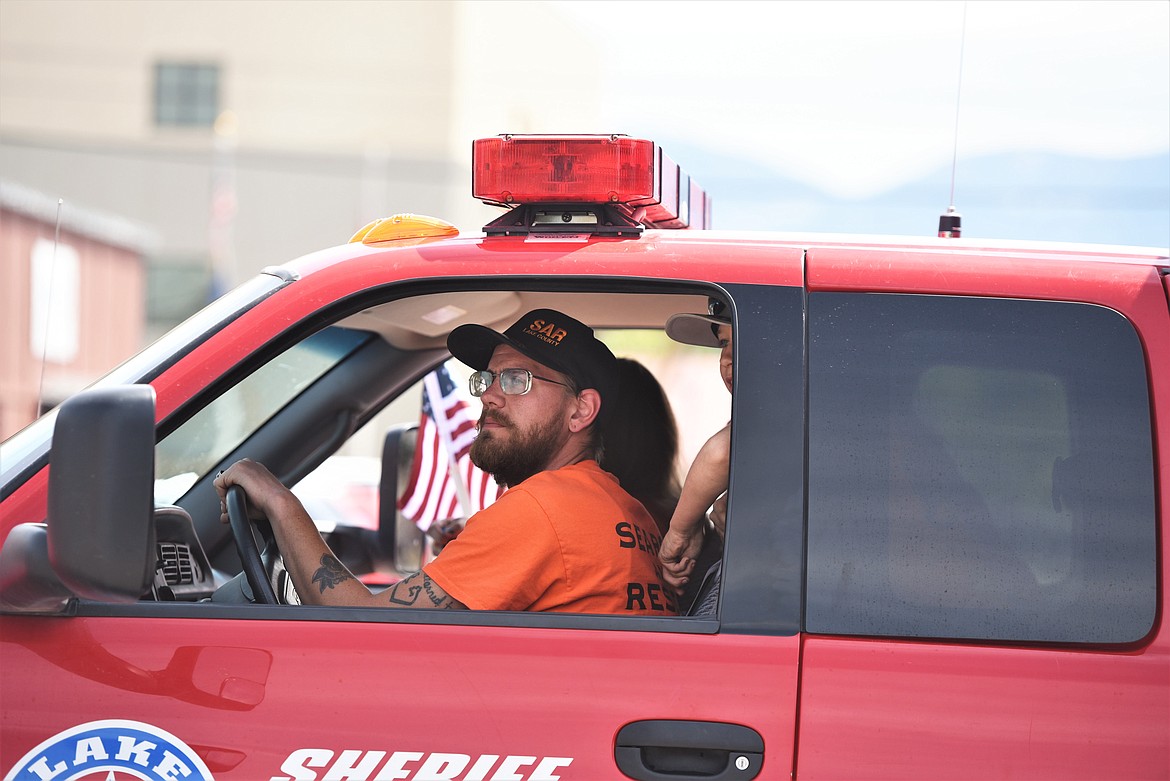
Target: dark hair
[(640, 441)]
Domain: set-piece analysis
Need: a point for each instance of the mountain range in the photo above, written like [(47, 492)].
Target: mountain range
[(1025, 195)]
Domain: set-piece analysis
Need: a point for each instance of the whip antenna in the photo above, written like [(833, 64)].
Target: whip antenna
[(950, 222), (49, 308)]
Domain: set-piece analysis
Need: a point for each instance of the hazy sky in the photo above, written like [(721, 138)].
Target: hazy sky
[(861, 96)]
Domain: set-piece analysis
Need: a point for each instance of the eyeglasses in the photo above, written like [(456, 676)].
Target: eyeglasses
[(513, 382)]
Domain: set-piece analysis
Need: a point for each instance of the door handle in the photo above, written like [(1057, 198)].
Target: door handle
[(668, 750)]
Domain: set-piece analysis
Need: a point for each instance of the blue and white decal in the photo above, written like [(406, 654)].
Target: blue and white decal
[(111, 750)]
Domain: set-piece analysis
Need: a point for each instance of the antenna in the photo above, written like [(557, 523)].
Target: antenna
[(49, 308), (950, 222)]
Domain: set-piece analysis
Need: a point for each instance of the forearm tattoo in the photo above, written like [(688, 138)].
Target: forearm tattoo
[(420, 591), (331, 573)]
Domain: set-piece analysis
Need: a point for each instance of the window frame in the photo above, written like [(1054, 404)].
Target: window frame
[(743, 620)]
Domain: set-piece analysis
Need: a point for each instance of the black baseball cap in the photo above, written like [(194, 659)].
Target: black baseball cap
[(702, 330), (550, 338)]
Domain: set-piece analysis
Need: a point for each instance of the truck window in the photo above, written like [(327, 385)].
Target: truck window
[(978, 468), (338, 416), (190, 451)]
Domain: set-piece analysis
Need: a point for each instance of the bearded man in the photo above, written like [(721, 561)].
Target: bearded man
[(564, 536)]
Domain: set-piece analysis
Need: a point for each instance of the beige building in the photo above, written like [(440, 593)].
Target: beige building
[(243, 134)]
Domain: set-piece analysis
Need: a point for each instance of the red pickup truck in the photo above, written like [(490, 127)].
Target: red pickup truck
[(945, 550)]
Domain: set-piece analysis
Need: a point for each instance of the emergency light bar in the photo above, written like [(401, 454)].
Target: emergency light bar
[(598, 184)]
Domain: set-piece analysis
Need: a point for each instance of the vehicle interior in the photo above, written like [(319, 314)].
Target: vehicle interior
[(333, 414)]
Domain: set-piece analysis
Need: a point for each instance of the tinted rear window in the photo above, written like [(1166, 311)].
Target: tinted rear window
[(979, 468)]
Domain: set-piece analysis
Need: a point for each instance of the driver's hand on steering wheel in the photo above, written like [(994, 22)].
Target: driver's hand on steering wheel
[(264, 491)]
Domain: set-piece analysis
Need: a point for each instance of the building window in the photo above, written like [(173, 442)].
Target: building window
[(186, 94), (54, 326)]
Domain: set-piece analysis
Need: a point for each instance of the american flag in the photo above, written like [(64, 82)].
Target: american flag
[(443, 482)]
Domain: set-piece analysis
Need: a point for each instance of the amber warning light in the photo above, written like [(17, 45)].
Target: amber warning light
[(600, 185)]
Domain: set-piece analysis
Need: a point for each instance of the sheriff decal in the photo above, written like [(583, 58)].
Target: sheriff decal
[(111, 750), (315, 764)]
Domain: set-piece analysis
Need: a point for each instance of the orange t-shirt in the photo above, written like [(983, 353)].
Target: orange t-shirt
[(568, 540)]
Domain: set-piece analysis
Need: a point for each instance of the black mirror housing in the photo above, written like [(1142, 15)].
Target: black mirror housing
[(398, 538), (27, 581), (101, 538)]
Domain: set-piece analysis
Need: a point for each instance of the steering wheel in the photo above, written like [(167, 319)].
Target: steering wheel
[(248, 547)]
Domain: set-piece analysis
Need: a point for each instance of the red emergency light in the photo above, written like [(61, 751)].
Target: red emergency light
[(601, 184)]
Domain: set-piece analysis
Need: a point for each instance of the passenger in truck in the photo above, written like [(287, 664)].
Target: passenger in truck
[(565, 537), (640, 445), (641, 442), (694, 539)]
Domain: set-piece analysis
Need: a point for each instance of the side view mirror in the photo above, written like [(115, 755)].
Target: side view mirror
[(99, 540), (398, 535), (395, 546)]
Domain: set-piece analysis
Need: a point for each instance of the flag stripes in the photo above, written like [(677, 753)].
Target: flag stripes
[(437, 480)]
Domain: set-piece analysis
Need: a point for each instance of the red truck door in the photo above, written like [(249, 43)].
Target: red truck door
[(982, 518), (180, 690)]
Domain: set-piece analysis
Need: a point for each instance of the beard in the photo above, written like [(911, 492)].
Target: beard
[(520, 453)]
